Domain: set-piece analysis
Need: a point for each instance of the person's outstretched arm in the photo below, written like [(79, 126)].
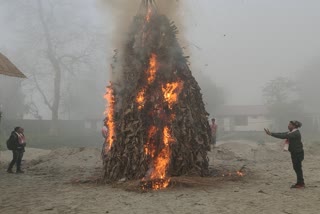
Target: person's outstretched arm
[(282, 135)]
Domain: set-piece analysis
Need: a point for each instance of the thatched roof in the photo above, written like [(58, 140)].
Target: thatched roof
[(8, 68)]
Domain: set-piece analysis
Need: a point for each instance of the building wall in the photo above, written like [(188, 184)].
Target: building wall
[(224, 124), (247, 123)]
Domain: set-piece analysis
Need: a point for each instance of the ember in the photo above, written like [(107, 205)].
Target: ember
[(239, 173), (155, 184), (157, 120)]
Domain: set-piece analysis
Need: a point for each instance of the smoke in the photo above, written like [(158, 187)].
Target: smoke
[(123, 12)]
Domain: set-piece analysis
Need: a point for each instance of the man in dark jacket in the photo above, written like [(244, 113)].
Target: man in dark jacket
[(293, 138), (19, 142)]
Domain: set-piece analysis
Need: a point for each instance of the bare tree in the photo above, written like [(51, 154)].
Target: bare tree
[(59, 63), (283, 101), (60, 48), (55, 63)]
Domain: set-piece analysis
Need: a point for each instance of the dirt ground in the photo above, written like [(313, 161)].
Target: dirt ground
[(57, 181)]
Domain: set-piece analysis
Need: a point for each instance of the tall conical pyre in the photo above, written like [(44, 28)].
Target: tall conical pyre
[(158, 125)]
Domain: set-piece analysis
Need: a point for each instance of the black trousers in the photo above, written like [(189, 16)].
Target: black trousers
[(16, 159), (297, 159)]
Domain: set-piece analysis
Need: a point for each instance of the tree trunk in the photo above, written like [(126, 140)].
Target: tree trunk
[(56, 68), (55, 65)]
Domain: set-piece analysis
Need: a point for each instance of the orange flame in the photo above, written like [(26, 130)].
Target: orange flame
[(148, 16), (109, 113), (151, 72), (171, 92), (161, 184), (140, 99), (239, 173), (162, 161), (153, 66)]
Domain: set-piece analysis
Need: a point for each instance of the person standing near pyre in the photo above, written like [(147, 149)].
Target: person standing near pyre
[(105, 133), (214, 128), (18, 142), (294, 145)]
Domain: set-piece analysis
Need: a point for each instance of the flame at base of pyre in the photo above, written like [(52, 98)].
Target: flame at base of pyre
[(157, 117), (155, 184)]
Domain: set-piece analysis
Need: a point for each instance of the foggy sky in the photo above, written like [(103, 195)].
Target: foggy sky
[(263, 40), (241, 44)]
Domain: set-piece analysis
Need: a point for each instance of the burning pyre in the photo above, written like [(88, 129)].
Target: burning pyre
[(158, 126)]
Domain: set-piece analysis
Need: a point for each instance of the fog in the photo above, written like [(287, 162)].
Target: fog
[(246, 43), (240, 45)]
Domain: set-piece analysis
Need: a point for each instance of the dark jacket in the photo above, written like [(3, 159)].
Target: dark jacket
[(294, 138), (15, 139)]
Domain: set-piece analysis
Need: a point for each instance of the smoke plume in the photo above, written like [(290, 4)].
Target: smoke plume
[(123, 12)]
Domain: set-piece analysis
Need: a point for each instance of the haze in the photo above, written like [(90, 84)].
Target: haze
[(239, 44)]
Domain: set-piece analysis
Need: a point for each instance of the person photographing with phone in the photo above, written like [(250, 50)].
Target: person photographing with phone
[(295, 147)]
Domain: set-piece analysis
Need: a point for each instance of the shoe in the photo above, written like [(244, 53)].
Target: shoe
[(297, 186), (9, 171), (19, 171)]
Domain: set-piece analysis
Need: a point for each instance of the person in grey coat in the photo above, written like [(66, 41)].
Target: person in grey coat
[(293, 139)]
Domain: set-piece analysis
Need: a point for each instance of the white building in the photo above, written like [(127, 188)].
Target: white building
[(243, 118)]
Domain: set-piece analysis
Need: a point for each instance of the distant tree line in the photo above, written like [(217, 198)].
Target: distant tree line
[(295, 98)]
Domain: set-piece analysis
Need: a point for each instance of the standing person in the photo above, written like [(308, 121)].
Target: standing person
[(295, 147), (214, 128), (18, 143)]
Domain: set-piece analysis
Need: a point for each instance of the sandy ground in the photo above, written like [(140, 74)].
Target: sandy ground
[(50, 185)]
